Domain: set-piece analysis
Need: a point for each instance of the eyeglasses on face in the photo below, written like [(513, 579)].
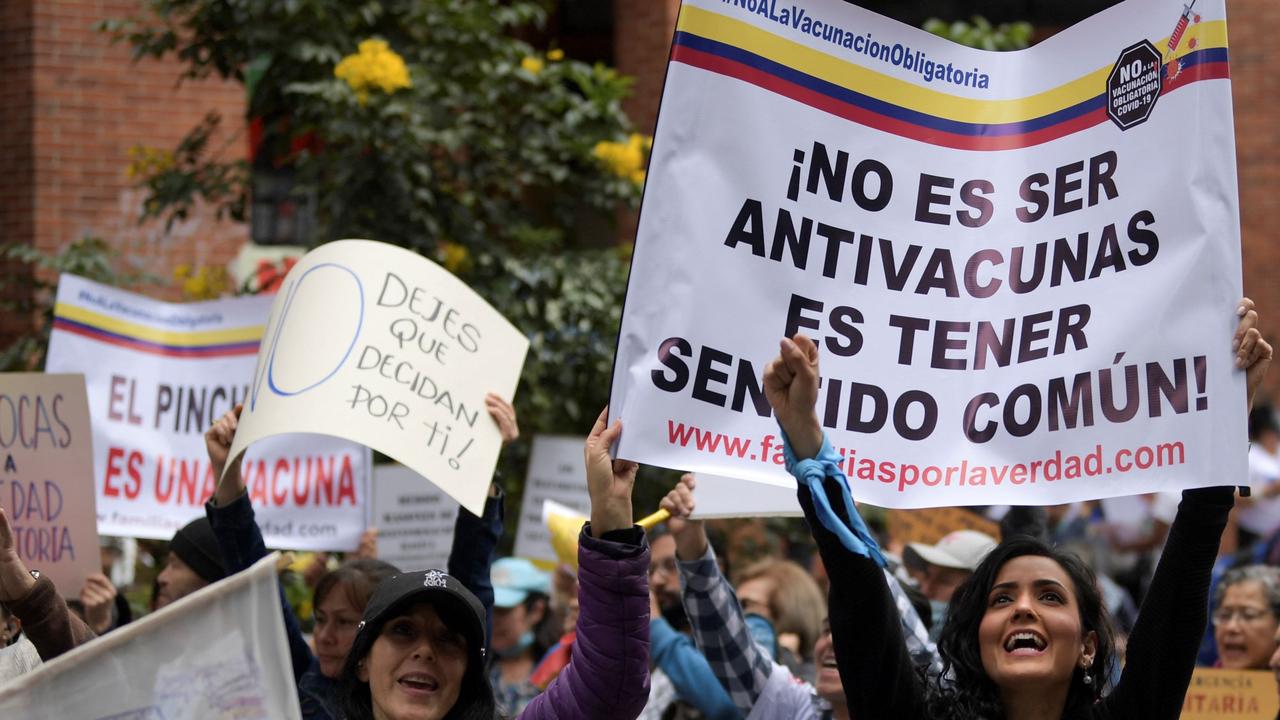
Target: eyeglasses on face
[(1247, 615)]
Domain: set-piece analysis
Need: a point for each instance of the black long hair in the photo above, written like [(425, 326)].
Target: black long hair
[(475, 699), (972, 694)]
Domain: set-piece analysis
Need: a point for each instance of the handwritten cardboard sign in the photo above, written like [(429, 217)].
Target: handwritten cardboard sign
[(414, 519), (46, 481), (929, 525), (376, 344), (1217, 694)]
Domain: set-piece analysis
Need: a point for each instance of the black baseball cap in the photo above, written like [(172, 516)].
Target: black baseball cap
[(434, 586)]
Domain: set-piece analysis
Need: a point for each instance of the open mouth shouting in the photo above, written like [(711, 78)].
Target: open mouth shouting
[(418, 684), (1025, 642)]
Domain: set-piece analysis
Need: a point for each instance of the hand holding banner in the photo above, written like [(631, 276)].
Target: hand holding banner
[(1020, 268), (374, 343)]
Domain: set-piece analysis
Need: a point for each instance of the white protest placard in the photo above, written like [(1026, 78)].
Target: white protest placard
[(46, 485), (158, 375), (217, 653), (716, 496), (376, 344), (1021, 269), (556, 473), (414, 519)]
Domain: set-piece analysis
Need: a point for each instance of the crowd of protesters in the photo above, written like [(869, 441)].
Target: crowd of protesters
[(1089, 610)]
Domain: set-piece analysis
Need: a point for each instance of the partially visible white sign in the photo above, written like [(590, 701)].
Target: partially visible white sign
[(216, 654), (414, 519), (556, 473), (158, 374), (716, 496)]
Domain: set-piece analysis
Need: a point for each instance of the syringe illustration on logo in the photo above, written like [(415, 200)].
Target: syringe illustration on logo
[(1142, 73), (1172, 66), (1134, 85)]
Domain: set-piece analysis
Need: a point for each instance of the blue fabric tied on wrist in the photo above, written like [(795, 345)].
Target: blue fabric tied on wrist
[(855, 536)]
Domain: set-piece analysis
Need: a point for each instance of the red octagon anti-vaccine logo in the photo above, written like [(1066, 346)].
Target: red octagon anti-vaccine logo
[(1134, 85)]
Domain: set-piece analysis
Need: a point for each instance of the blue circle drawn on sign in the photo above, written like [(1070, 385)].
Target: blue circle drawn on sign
[(271, 364)]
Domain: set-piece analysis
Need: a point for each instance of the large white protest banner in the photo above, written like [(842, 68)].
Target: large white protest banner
[(1021, 268), (158, 375), (46, 486), (414, 518), (375, 343), (218, 653), (556, 473)]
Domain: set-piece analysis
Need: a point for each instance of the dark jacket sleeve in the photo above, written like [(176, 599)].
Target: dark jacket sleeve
[(47, 621), (879, 679), (241, 545), (608, 675), (1162, 647), (475, 544)]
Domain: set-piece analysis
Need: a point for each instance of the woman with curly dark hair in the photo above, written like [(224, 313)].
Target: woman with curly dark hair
[(986, 604), (1026, 636)]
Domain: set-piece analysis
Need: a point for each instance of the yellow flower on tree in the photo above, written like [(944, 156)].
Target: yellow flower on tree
[(555, 55), (374, 67), (147, 161), (531, 65), (625, 159), (204, 283), (455, 257)]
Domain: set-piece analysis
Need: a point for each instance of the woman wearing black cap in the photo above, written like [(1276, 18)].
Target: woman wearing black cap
[(420, 650), (341, 595), (410, 609)]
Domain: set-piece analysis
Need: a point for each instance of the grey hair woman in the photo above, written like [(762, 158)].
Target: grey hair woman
[(1246, 613)]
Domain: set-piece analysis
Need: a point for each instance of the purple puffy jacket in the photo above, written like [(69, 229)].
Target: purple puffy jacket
[(608, 676)]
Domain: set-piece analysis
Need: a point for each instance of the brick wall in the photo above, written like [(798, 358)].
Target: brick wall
[(641, 43), (16, 153), (1255, 65), (78, 104), (642, 40), (92, 105)]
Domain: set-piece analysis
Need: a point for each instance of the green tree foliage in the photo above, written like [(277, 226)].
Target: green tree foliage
[(457, 139), (978, 32), (88, 257), (490, 146)]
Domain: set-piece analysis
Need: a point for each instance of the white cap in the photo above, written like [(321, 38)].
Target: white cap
[(962, 550)]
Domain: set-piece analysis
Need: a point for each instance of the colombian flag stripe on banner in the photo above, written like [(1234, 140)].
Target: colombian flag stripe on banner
[(741, 51), (144, 338)]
